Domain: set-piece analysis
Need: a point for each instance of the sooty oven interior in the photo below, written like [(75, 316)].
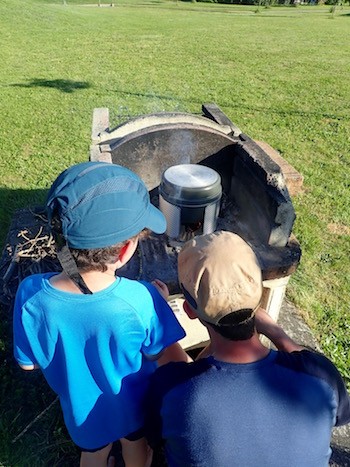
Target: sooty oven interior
[(255, 202)]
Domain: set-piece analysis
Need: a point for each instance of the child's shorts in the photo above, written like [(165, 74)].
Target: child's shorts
[(131, 437)]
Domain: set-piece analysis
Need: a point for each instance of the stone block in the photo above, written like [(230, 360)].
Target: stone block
[(294, 180), (100, 123)]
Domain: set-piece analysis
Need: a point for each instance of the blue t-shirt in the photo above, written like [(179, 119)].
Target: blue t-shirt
[(276, 412), (91, 350)]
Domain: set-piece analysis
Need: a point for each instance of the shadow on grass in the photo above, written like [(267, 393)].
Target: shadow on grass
[(63, 85), (32, 431), (340, 456), (11, 201)]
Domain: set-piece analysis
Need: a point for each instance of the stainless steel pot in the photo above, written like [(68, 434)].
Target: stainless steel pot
[(189, 197)]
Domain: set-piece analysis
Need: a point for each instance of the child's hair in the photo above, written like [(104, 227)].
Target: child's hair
[(94, 259), (97, 259)]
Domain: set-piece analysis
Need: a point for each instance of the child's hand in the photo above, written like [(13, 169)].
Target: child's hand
[(161, 287)]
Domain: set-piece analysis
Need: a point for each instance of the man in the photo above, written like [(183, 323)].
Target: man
[(241, 404)]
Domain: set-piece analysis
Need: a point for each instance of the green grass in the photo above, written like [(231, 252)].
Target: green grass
[(280, 75)]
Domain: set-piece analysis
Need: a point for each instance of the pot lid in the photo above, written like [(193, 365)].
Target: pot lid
[(190, 185)]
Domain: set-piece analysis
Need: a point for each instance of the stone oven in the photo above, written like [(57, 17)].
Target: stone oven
[(255, 201)]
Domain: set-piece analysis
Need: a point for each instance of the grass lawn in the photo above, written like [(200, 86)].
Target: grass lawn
[(281, 75)]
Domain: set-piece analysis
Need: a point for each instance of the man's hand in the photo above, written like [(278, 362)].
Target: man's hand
[(161, 287), (264, 323)]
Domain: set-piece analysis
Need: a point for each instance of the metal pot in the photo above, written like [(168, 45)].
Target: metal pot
[(189, 197)]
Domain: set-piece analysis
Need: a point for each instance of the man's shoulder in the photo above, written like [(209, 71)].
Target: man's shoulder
[(319, 366), (172, 374), (196, 367), (311, 363)]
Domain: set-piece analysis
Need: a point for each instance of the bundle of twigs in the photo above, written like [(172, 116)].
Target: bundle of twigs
[(29, 250)]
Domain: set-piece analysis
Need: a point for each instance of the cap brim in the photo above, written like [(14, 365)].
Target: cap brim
[(156, 220)]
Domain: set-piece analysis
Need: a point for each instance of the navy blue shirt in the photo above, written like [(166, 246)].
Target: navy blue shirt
[(276, 412)]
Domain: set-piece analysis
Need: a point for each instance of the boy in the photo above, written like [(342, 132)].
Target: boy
[(243, 404), (94, 335)]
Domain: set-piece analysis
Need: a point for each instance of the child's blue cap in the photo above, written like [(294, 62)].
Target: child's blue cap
[(101, 204)]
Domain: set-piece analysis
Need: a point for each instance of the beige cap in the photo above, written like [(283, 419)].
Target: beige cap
[(219, 274)]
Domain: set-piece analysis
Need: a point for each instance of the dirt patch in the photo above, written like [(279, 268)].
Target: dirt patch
[(338, 229)]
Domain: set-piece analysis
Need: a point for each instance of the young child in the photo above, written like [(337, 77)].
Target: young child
[(95, 336)]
